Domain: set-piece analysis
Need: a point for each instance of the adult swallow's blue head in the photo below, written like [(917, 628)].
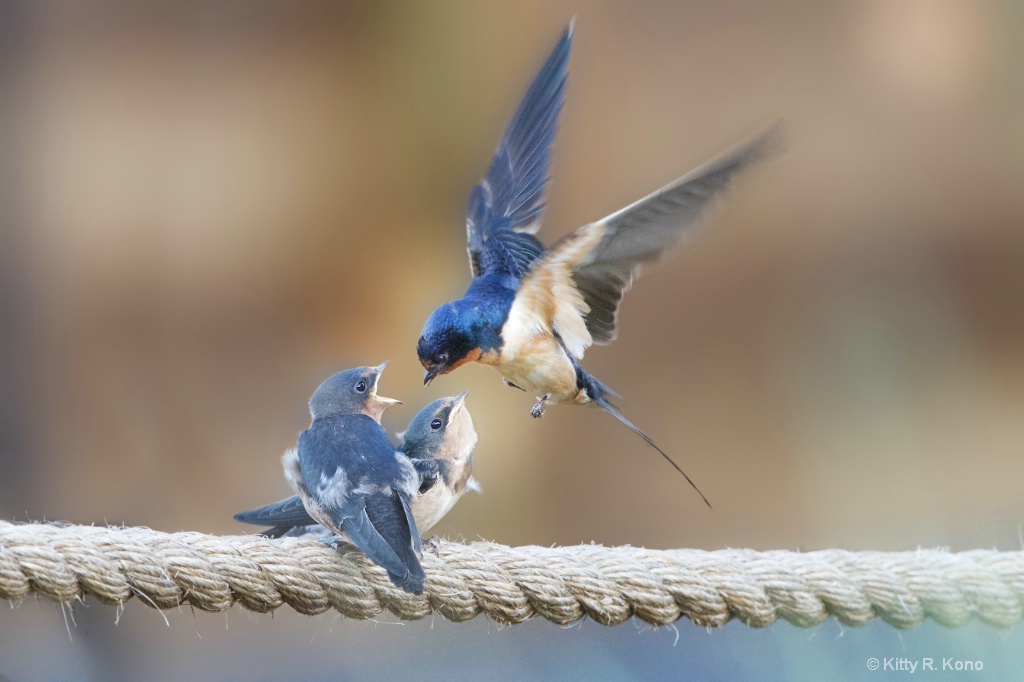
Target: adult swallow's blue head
[(449, 340), (467, 330)]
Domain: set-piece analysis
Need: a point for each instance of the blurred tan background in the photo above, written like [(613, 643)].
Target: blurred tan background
[(218, 206), (213, 207)]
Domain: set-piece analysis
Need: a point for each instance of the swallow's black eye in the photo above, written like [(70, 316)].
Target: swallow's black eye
[(443, 358), (361, 386), (427, 482), (436, 424)]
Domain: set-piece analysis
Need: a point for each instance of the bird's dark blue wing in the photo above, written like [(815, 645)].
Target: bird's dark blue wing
[(385, 532), (290, 512), (506, 207), (359, 486), (341, 450)]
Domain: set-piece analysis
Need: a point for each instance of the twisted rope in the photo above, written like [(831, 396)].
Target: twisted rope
[(512, 584)]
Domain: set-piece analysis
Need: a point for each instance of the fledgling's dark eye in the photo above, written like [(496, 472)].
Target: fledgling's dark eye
[(361, 386), (436, 424), (428, 482)]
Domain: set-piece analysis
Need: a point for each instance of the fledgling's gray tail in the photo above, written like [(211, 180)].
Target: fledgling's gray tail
[(286, 513)]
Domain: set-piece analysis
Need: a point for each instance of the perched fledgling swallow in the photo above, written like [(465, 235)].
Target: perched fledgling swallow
[(532, 312), (439, 442), (442, 433), (353, 481)]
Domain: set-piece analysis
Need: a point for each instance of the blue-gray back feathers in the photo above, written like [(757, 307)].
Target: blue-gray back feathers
[(357, 484)]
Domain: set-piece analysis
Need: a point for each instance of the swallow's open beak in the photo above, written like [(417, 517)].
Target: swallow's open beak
[(430, 374), (460, 400), (387, 402), (457, 403)]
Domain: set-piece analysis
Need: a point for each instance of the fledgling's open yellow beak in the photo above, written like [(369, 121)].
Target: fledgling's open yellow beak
[(386, 402)]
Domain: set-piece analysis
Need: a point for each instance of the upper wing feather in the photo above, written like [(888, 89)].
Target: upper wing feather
[(506, 207), (576, 286), (641, 232)]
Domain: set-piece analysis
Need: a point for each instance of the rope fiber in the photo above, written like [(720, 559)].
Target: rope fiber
[(513, 584)]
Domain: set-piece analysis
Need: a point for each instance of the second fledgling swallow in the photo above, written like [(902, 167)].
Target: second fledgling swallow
[(439, 442), (353, 481), (441, 433), (531, 312)]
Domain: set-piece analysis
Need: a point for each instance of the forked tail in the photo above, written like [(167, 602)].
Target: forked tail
[(599, 400), (596, 390)]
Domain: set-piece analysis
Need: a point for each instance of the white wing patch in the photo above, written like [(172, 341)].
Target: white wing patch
[(409, 480), (367, 487), (293, 470), (528, 228), (333, 491)]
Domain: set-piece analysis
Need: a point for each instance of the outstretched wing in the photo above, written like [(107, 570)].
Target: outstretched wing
[(582, 278), (641, 232), (290, 512), (506, 207)]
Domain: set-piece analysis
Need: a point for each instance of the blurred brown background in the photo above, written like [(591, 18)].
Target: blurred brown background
[(211, 207)]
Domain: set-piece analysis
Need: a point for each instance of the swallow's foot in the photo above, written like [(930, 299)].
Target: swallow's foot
[(331, 541), (511, 385), (432, 544), (538, 409)]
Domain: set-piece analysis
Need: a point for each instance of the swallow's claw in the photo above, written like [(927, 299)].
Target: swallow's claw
[(331, 541), (432, 544), (538, 409)]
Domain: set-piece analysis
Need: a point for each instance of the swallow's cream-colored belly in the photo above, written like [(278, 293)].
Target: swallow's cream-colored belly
[(540, 367), (456, 469), (431, 506)]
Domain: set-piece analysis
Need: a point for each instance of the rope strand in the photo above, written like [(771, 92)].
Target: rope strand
[(510, 585)]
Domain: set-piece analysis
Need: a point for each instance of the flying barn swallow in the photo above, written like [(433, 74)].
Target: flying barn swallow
[(353, 481), (532, 312), (439, 442)]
